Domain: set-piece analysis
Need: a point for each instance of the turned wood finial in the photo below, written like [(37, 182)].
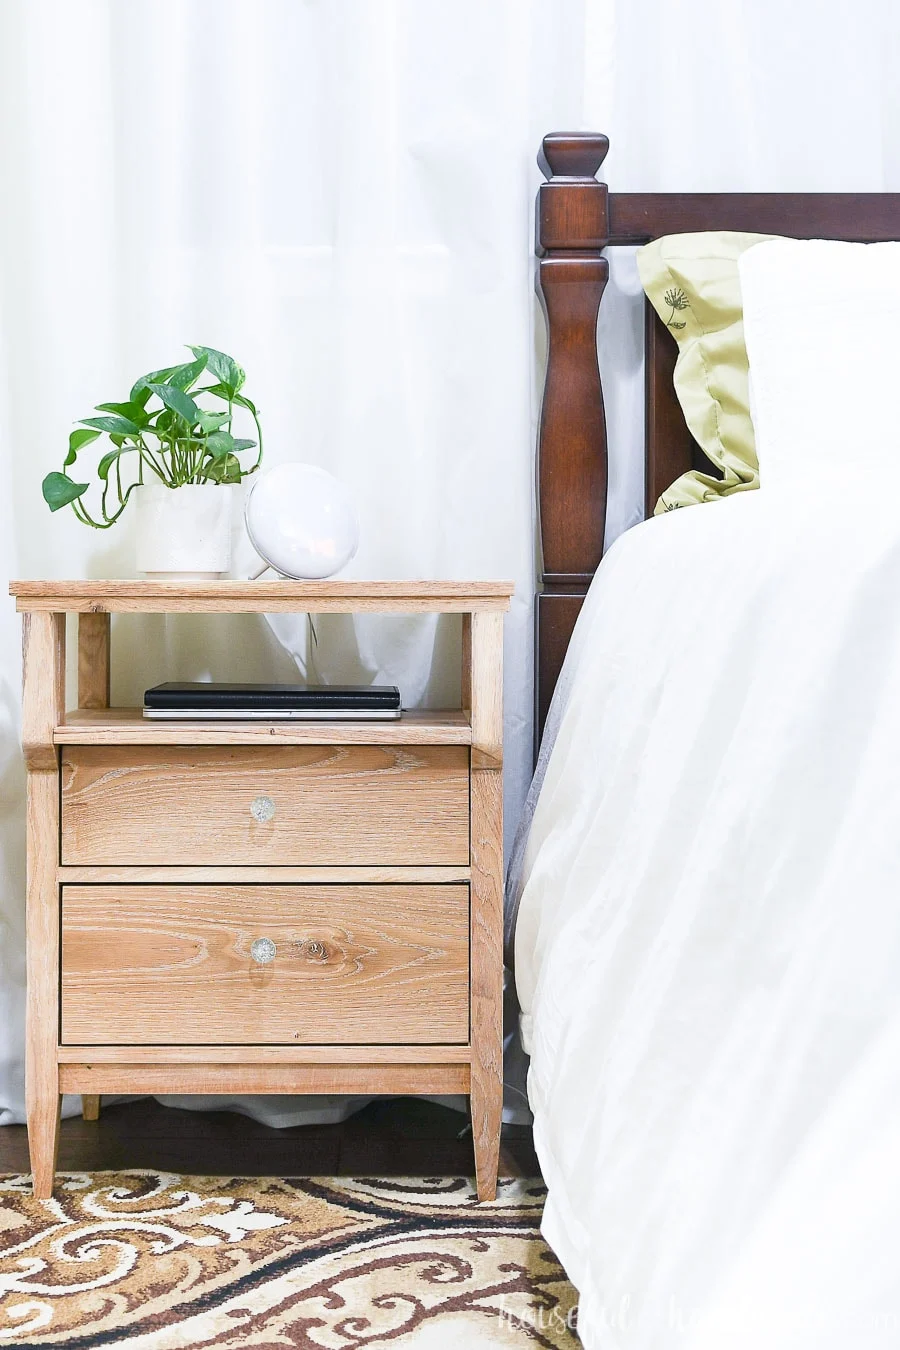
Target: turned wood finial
[(572, 154), (572, 205)]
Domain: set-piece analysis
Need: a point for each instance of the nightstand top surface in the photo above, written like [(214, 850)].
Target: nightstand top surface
[(262, 597)]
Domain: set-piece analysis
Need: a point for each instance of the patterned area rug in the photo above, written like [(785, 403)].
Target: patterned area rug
[(157, 1261)]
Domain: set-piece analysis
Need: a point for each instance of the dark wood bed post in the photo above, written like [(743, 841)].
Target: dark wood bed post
[(572, 231), (577, 219)]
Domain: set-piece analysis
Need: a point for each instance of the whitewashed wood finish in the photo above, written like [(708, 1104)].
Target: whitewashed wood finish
[(487, 976), (333, 805), (465, 684), (246, 876), (128, 726), (93, 694), (262, 597), (390, 1080), (157, 965), (472, 1065), (43, 665), (265, 1054), (43, 687), (487, 899), (487, 691), (93, 661)]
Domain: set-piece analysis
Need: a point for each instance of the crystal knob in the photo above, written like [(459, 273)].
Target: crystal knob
[(263, 951), (262, 809)]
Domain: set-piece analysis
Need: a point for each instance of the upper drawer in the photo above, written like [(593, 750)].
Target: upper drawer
[(317, 805)]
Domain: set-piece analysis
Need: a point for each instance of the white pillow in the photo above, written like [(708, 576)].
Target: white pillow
[(822, 327)]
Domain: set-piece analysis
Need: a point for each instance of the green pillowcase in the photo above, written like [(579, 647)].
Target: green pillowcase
[(692, 282)]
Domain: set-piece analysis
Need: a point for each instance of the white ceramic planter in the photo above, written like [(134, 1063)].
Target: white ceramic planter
[(183, 533)]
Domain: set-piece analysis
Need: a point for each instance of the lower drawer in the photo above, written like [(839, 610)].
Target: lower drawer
[(201, 965)]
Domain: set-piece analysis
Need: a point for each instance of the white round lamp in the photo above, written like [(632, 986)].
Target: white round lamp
[(301, 521)]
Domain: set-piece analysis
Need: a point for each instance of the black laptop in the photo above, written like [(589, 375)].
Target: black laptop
[(337, 702)]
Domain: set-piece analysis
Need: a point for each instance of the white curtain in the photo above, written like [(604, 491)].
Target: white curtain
[(339, 192)]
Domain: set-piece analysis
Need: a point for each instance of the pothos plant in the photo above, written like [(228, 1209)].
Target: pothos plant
[(163, 432)]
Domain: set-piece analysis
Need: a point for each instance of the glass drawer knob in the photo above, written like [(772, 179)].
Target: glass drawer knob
[(263, 951), (262, 809)]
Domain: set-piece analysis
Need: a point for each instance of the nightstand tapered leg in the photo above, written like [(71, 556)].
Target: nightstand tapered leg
[(90, 1107), (42, 1110)]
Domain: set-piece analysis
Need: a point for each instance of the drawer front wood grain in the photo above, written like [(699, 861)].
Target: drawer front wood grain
[(338, 805), (170, 965)]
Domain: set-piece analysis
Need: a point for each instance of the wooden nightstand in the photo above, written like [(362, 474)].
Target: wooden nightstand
[(261, 907)]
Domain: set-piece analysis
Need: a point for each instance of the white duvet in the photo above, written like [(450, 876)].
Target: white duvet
[(708, 939)]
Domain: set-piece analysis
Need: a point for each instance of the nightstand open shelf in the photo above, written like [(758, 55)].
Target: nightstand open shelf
[(345, 938), (128, 726)]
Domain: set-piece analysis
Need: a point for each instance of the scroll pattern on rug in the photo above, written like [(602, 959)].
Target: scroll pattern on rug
[(160, 1260)]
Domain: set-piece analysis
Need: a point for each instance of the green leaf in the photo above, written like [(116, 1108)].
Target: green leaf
[(209, 421), (221, 391), (225, 470), (59, 490), (179, 402), (132, 412), (182, 377), (78, 439), (107, 462), (123, 426), (219, 444), (224, 367), (142, 387), (241, 444)]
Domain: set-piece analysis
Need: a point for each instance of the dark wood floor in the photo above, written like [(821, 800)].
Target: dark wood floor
[(394, 1137)]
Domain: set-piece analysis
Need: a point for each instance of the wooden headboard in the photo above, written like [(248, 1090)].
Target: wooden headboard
[(577, 220)]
